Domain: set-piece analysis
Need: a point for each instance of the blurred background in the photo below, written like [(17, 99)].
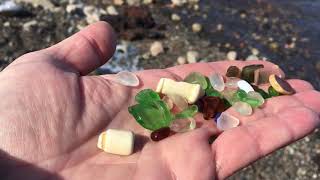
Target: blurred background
[(163, 33)]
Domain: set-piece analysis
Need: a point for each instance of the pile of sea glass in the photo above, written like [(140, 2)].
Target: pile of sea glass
[(172, 106)]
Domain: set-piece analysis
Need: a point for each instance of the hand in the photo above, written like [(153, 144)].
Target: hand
[(52, 113)]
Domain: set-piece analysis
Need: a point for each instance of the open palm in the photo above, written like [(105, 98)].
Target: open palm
[(51, 115)]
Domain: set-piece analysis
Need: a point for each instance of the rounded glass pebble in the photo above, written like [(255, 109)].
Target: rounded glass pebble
[(197, 78), (179, 101), (256, 95), (243, 108), (217, 82), (229, 95), (227, 121), (244, 85), (160, 134), (232, 83), (183, 125), (168, 102), (127, 78)]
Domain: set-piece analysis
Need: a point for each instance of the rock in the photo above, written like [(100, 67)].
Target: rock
[(219, 27), (252, 57), (182, 60), (112, 10), (232, 55), (175, 17), (46, 4), (93, 14), (255, 51), (147, 1), (192, 56), (29, 24), (178, 2), (11, 9), (118, 2), (156, 48), (133, 2), (72, 7), (227, 121), (196, 27)]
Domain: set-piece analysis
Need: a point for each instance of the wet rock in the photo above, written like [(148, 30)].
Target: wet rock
[(196, 27), (112, 10), (175, 17), (27, 26), (118, 2), (133, 2), (192, 56), (178, 2), (156, 48), (232, 55), (11, 9), (181, 60)]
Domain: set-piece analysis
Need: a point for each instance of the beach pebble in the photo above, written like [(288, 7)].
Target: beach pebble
[(192, 56), (175, 17), (118, 2), (178, 2), (227, 121), (112, 10), (252, 57), (181, 60), (133, 2), (232, 55), (156, 48), (244, 85), (196, 27), (127, 78), (114, 141)]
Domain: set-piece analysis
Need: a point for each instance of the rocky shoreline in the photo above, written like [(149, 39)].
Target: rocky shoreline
[(159, 34)]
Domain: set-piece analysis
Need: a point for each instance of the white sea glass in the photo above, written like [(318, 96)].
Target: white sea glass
[(217, 82), (227, 121), (127, 78)]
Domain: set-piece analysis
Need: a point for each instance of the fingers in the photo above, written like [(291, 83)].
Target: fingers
[(87, 49), (236, 148)]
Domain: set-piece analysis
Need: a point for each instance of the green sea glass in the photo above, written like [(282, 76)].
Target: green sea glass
[(151, 115), (213, 92), (264, 94), (188, 112), (241, 95), (273, 92), (197, 78), (147, 95)]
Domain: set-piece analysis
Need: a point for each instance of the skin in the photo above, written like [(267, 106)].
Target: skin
[(52, 113)]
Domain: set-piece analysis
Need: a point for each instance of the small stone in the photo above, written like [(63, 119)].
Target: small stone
[(244, 85), (192, 56), (168, 102), (27, 26), (178, 2), (156, 48), (187, 112), (227, 121), (196, 78), (252, 58), (112, 10), (147, 95), (232, 83), (241, 95), (217, 82), (233, 71), (243, 108), (133, 2), (196, 27), (118, 2), (179, 101), (147, 1), (255, 51), (114, 141), (219, 27), (281, 85), (272, 92), (181, 60), (175, 17), (257, 96), (248, 72), (183, 125), (160, 134), (127, 78), (231, 55)]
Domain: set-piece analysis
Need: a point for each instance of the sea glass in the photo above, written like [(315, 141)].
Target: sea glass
[(160, 134), (168, 102), (272, 92), (147, 95), (151, 115), (227, 121), (233, 71), (257, 96), (183, 125), (188, 112), (197, 78), (244, 85), (213, 92), (232, 83), (217, 82), (127, 78), (243, 108), (179, 101), (247, 73)]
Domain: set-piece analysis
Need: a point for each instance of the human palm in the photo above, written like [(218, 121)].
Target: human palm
[(52, 114)]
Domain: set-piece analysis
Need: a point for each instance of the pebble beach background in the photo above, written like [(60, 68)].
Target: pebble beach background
[(163, 33)]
